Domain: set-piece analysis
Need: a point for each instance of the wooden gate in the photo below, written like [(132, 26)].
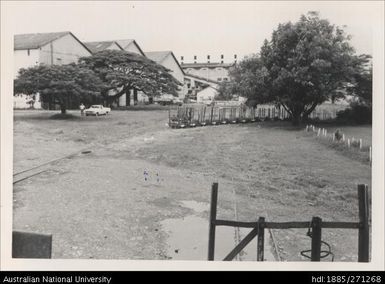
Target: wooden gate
[(315, 225)]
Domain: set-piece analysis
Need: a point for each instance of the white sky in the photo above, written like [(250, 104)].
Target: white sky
[(187, 28)]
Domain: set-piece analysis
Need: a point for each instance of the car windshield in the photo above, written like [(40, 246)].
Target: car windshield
[(95, 106)]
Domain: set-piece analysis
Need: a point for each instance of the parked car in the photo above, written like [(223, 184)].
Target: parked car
[(97, 110), (177, 101)]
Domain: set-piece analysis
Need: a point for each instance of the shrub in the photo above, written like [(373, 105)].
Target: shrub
[(338, 135), (356, 113)]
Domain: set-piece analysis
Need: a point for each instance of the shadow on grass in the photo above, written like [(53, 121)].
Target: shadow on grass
[(64, 116), (151, 107), (278, 124)]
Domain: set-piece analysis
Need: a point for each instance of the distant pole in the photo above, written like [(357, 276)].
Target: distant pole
[(169, 116), (370, 153), (360, 144), (348, 143)]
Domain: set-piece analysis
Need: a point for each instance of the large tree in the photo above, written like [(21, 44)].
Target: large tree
[(123, 71), (57, 83), (304, 64)]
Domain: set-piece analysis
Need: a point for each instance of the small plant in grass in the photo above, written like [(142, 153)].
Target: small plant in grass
[(355, 143), (338, 135)]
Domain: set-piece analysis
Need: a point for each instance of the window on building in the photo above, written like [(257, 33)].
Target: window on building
[(204, 69), (225, 79), (219, 79), (220, 68)]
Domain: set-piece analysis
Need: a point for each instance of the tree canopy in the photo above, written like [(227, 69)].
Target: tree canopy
[(58, 82), (122, 71), (302, 66), (247, 80), (361, 87)]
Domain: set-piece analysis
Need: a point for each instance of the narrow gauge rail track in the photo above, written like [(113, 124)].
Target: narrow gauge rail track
[(37, 170)]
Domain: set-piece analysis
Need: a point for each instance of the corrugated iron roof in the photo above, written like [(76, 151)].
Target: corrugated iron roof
[(124, 43), (96, 46), (33, 41), (157, 56)]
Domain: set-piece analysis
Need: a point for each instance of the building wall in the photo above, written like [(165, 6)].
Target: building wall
[(64, 50), (207, 95), (25, 59), (177, 73), (212, 73)]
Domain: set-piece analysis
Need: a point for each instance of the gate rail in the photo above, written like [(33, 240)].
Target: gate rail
[(316, 226)]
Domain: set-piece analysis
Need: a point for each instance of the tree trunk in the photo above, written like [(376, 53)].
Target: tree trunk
[(110, 99), (309, 111), (296, 119), (135, 96)]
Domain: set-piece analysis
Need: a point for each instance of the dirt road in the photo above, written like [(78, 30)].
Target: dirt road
[(116, 202)]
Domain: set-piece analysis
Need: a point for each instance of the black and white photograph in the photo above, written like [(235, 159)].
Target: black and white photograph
[(192, 134)]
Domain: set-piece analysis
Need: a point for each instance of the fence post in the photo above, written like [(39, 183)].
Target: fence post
[(213, 217), (169, 115), (316, 225), (363, 232), (261, 239)]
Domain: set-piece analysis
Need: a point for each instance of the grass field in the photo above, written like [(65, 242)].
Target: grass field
[(102, 205)]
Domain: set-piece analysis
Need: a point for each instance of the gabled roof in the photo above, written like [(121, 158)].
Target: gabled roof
[(160, 56), (34, 41), (124, 43), (157, 56), (96, 46)]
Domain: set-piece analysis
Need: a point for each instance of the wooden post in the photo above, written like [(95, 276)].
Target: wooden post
[(169, 116), (261, 239), (343, 137), (348, 143), (204, 114), (316, 227), (363, 232), (370, 153), (213, 217), (212, 112), (360, 144)]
